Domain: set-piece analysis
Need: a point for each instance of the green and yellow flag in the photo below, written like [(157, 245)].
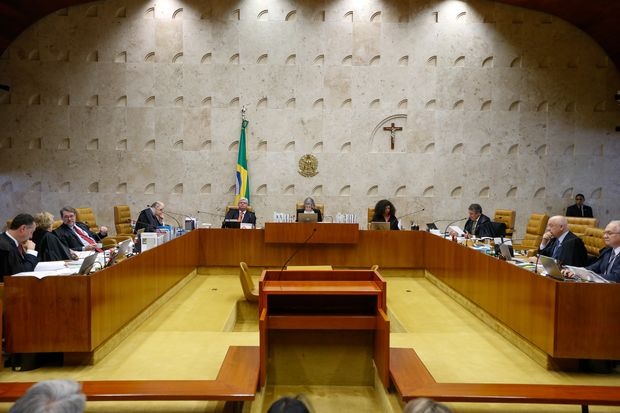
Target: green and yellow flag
[(242, 184)]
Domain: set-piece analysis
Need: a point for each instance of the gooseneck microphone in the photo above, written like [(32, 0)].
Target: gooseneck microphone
[(211, 214), (302, 245), (411, 213), (168, 214)]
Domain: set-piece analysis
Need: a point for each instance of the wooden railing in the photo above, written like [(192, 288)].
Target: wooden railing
[(412, 379), (236, 381)]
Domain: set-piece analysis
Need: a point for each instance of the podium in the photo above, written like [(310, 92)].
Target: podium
[(308, 301)]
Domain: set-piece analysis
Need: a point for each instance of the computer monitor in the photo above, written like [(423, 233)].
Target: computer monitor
[(231, 223), (306, 217), (381, 226), (431, 225)]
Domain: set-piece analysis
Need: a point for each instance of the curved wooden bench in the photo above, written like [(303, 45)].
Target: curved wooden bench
[(412, 379), (237, 381)]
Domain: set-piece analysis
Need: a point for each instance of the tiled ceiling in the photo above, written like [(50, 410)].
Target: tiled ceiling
[(599, 18)]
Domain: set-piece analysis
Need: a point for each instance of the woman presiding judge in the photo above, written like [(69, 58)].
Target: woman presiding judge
[(386, 212), (310, 208)]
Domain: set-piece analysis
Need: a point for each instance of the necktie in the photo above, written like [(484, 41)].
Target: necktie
[(581, 210), (20, 248), (241, 214), (86, 238), (557, 250), (611, 262), (473, 227)]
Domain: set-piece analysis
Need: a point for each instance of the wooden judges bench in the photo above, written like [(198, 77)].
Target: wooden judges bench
[(565, 320)]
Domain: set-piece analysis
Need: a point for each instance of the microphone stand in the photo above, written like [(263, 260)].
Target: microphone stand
[(168, 214), (412, 213), (303, 244)]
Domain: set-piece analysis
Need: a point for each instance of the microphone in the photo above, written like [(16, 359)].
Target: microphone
[(211, 214), (453, 222), (168, 214), (303, 244), (411, 213)]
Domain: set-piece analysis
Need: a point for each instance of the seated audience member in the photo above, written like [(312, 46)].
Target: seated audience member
[(150, 218), (559, 243), (241, 214), (423, 405), (289, 405), (17, 251), (579, 209), (608, 264), (386, 212), (52, 396), (76, 235), (309, 208), (47, 242)]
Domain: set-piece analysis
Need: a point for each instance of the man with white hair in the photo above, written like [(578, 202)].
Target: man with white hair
[(241, 214), (608, 264), (562, 245), (52, 396)]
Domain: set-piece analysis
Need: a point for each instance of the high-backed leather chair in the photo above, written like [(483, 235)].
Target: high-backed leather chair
[(593, 240), (371, 213), (87, 216), (508, 217), (247, 285), (534, 231), (320, 207), (229, 207), (578, 225), (122, 220)]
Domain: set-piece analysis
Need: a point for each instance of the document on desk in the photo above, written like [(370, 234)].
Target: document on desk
[(49, 268), (457, 229), (587, 275)]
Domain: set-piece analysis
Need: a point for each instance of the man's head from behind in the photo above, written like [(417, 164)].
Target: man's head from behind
[(68, 215), (579, 199), (612, 234), (51, 396), (474, 211), (22, 227), (557, 225)]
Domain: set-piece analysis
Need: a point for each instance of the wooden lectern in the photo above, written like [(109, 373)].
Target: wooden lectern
[(325, 300)]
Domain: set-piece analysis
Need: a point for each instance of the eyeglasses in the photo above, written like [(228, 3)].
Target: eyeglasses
[(610, 233)]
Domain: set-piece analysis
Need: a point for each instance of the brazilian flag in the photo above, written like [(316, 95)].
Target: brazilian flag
[(242, 184)]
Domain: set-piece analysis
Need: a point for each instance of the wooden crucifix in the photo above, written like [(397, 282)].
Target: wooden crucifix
[(393, 129)]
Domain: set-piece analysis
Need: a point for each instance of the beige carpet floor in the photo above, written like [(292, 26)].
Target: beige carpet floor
[(187, 338)]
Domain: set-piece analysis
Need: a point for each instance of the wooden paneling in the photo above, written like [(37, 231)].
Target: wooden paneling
[(315, 233), (47, 315), (390, 249), (77, 314)]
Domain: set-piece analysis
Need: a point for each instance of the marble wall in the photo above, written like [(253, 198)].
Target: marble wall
[(129, 101)]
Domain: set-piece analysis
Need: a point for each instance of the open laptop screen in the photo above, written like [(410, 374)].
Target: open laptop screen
[(304, 217), (382, 226)]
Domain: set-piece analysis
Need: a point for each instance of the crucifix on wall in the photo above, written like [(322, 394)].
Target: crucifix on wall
[(393, 129)]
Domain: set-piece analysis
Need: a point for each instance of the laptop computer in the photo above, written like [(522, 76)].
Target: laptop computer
[(121, 251), (232, 223), (431, 225), (305, 217), (552, 268), (87, 264), (380, 226)]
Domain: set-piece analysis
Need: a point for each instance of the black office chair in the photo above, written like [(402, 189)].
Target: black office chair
[(499, 229)]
